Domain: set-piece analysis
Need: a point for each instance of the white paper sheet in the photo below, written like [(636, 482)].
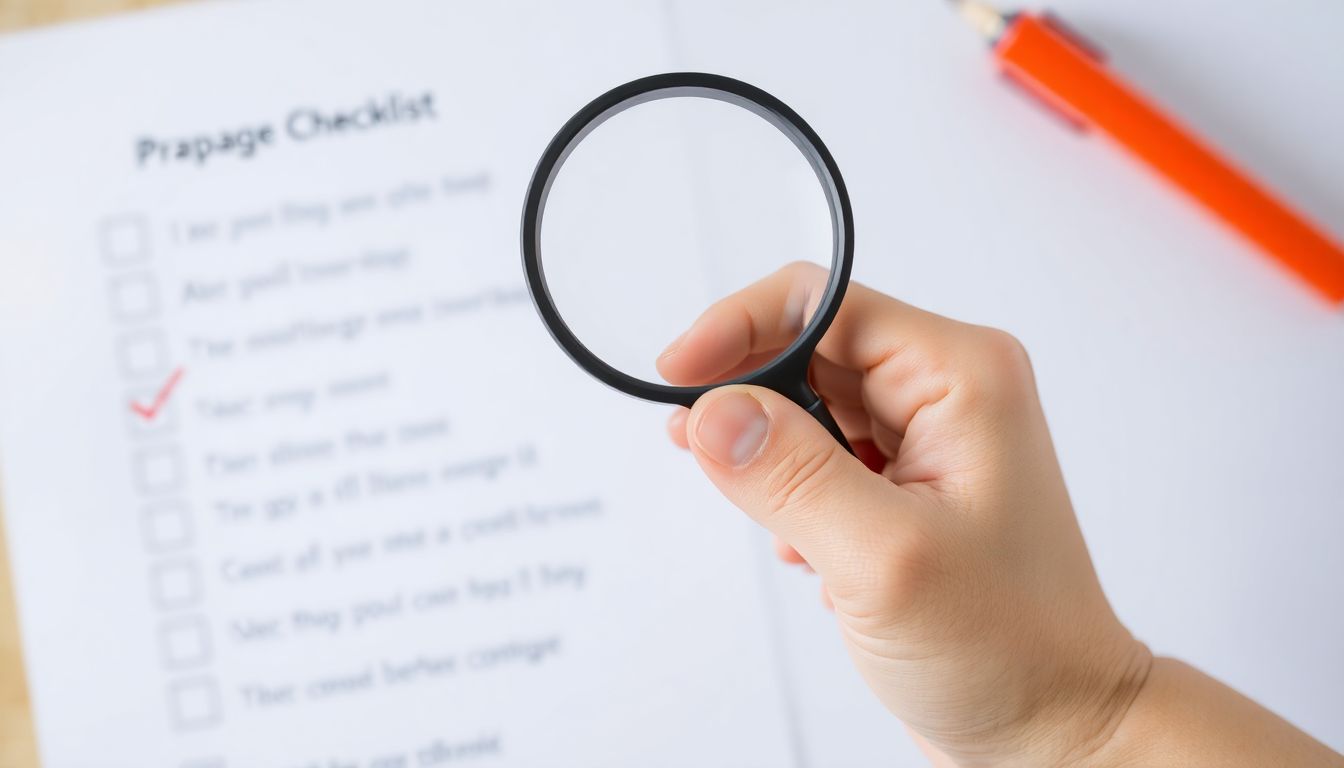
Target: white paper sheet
[(1192, 388), (293, 476)]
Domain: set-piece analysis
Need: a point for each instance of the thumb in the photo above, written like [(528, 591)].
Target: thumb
[(776, 463)]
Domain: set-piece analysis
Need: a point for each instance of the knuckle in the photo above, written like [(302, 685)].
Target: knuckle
[(1006, 352), (1002, 368)]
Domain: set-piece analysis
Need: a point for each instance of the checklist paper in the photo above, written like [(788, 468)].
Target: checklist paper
[(293, 476)]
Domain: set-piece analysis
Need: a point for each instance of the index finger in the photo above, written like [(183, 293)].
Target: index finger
[(884, 359), (768, 315), (745, 327)]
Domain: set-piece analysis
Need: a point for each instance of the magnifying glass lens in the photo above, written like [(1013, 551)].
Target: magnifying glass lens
[(668, 207)]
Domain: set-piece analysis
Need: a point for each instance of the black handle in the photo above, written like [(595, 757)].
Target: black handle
[(821, 414)]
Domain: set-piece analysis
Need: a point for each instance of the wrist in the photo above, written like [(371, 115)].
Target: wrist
[(1105, 733), (1078, 726), (1183, 717)]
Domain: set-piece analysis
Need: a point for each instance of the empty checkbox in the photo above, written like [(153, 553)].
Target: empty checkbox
[(141, 354), (133, 297), (158, 470), (124, 240), (194, 704), (166, 526), (175, 584), (184, 642)]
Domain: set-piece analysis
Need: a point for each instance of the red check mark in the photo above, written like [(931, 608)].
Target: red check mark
[(148, 412)]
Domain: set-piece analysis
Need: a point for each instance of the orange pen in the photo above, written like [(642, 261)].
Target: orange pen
[(1061, 68)]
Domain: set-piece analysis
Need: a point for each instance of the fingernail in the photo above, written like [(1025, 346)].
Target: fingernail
[(732, 429), (674, 346)]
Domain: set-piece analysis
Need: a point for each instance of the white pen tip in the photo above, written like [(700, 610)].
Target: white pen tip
[(987, 21)]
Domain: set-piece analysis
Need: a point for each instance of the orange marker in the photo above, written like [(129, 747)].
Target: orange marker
[(1052, 62)]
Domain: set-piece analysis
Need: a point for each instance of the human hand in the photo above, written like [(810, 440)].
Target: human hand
[(956, 570)]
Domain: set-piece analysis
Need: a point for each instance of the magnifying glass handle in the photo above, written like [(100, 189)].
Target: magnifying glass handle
[(821, 414)]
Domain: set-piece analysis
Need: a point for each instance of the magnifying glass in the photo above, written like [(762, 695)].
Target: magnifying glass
[(665, 195)]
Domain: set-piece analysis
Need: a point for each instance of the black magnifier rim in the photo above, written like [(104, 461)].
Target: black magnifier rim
[(787, 372)]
